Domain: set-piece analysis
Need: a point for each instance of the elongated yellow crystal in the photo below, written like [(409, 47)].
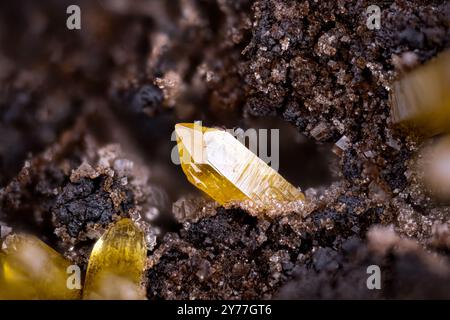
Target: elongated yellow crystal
[(117, 264), (32, 270), (421, 99), (222, 167)]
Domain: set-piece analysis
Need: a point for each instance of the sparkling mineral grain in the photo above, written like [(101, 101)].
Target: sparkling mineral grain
[(117, 263), (29, 269), (219, 165)]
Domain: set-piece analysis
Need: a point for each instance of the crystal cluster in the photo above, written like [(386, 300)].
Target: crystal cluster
[(219, 165), (30, 269)]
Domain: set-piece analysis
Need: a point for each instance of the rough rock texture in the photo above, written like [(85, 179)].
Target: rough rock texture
[(87, 197), (68, 202), (318, 66), (344, 274), (138, 67)]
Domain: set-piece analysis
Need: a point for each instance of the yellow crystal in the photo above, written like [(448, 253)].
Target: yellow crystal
[(421, 99), (117, 263), (222, 167), (433, 167), (29, 269)]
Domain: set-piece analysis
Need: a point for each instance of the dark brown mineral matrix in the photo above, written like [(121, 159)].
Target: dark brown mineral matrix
[(136, 68)]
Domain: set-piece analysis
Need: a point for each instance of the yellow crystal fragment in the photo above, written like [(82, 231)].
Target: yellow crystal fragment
[(222, 167), (433, 165), (29, 269), (117, 264), (421, 99)]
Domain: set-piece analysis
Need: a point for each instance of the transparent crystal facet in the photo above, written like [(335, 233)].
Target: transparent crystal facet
[(117, 264), (30, 269), (421, 98), (219, 165)]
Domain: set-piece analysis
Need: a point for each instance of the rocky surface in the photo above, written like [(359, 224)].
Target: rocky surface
[(138, 67)]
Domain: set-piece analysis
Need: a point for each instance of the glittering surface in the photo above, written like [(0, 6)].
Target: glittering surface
[(144, 66), (218, 164), (117, 263)]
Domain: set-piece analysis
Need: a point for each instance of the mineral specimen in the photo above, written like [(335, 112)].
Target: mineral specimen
[(117, 263), (218, 164), (29, 269), (434, 167), (421, 99)]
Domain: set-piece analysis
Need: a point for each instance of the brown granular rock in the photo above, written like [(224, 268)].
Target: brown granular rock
[(27, 200), (332, 78), (87, 203), (145, 65), (233, 255), (337, 72), (94, 197), (193, 208), (61, 198), (406, 271), (223, 257)]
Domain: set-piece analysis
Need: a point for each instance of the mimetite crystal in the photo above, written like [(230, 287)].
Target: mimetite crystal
[(222, 167), (434, 167), (30, 269), (117, 263), (421, 99)]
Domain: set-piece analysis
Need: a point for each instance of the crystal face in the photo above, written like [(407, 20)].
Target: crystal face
[(433, 168), (421, 99), (117, 264), (32, 270), (219, 165)]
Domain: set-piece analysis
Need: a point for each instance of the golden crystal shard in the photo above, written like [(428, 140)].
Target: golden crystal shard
[(421, 99), (117, 264), (433, 167), (32, 270), (222, 167)]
